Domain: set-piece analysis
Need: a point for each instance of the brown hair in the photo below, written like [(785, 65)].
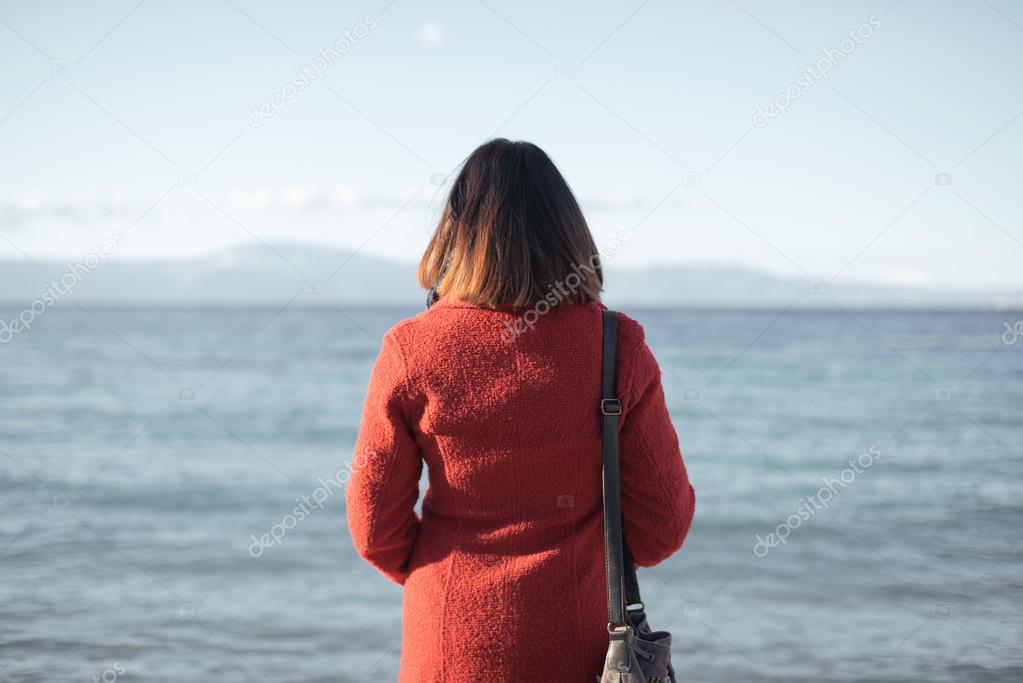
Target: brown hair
[(511, 234)]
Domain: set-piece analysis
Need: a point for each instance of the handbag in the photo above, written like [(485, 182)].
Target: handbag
[(635, 653)]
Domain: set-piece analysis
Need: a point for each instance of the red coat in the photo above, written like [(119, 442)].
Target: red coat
[(504, 570)]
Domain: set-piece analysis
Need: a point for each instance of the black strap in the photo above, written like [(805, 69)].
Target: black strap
[(632, 596), (622, 585)]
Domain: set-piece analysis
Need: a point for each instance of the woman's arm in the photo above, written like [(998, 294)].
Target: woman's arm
[(384, 488), (657, 500)]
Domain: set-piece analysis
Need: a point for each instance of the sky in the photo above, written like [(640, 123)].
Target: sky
[(756, 134)]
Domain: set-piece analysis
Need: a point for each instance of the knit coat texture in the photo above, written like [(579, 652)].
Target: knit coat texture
[(503, 569)]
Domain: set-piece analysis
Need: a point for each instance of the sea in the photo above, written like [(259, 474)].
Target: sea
[(172, 489)]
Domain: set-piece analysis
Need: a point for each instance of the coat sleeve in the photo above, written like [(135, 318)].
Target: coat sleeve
[(384, 488), (658, 501)]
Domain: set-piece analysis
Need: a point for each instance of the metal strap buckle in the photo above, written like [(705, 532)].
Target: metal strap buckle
[(611, 406)]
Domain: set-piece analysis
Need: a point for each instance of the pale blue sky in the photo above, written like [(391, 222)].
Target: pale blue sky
[(657, 90)]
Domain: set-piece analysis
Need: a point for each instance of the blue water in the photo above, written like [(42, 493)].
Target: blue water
[(141, 450)]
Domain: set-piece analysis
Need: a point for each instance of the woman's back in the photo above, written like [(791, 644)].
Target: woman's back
[(504, 572), (510, 423)]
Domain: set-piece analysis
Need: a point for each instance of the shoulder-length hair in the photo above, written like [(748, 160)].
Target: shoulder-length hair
[(511, 234)]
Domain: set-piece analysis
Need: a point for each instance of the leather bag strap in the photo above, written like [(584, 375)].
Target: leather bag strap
[(622, 585)]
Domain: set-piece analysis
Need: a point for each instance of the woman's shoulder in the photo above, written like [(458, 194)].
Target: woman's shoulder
[(404, 331), (637, 366), (425, 327), (632, 345), (630, 330)]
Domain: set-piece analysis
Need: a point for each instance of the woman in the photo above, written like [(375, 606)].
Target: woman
[(496, 388)]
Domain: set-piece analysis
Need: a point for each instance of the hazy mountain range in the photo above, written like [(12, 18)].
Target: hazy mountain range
[(277, 273)]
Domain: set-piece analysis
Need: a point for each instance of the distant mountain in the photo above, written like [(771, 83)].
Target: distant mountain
[(276, 273), (251, 275), (727, 286)]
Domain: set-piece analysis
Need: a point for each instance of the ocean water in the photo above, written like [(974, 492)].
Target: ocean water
[(143, 450)]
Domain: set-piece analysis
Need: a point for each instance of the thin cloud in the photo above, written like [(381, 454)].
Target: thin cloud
[(20, 211)]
